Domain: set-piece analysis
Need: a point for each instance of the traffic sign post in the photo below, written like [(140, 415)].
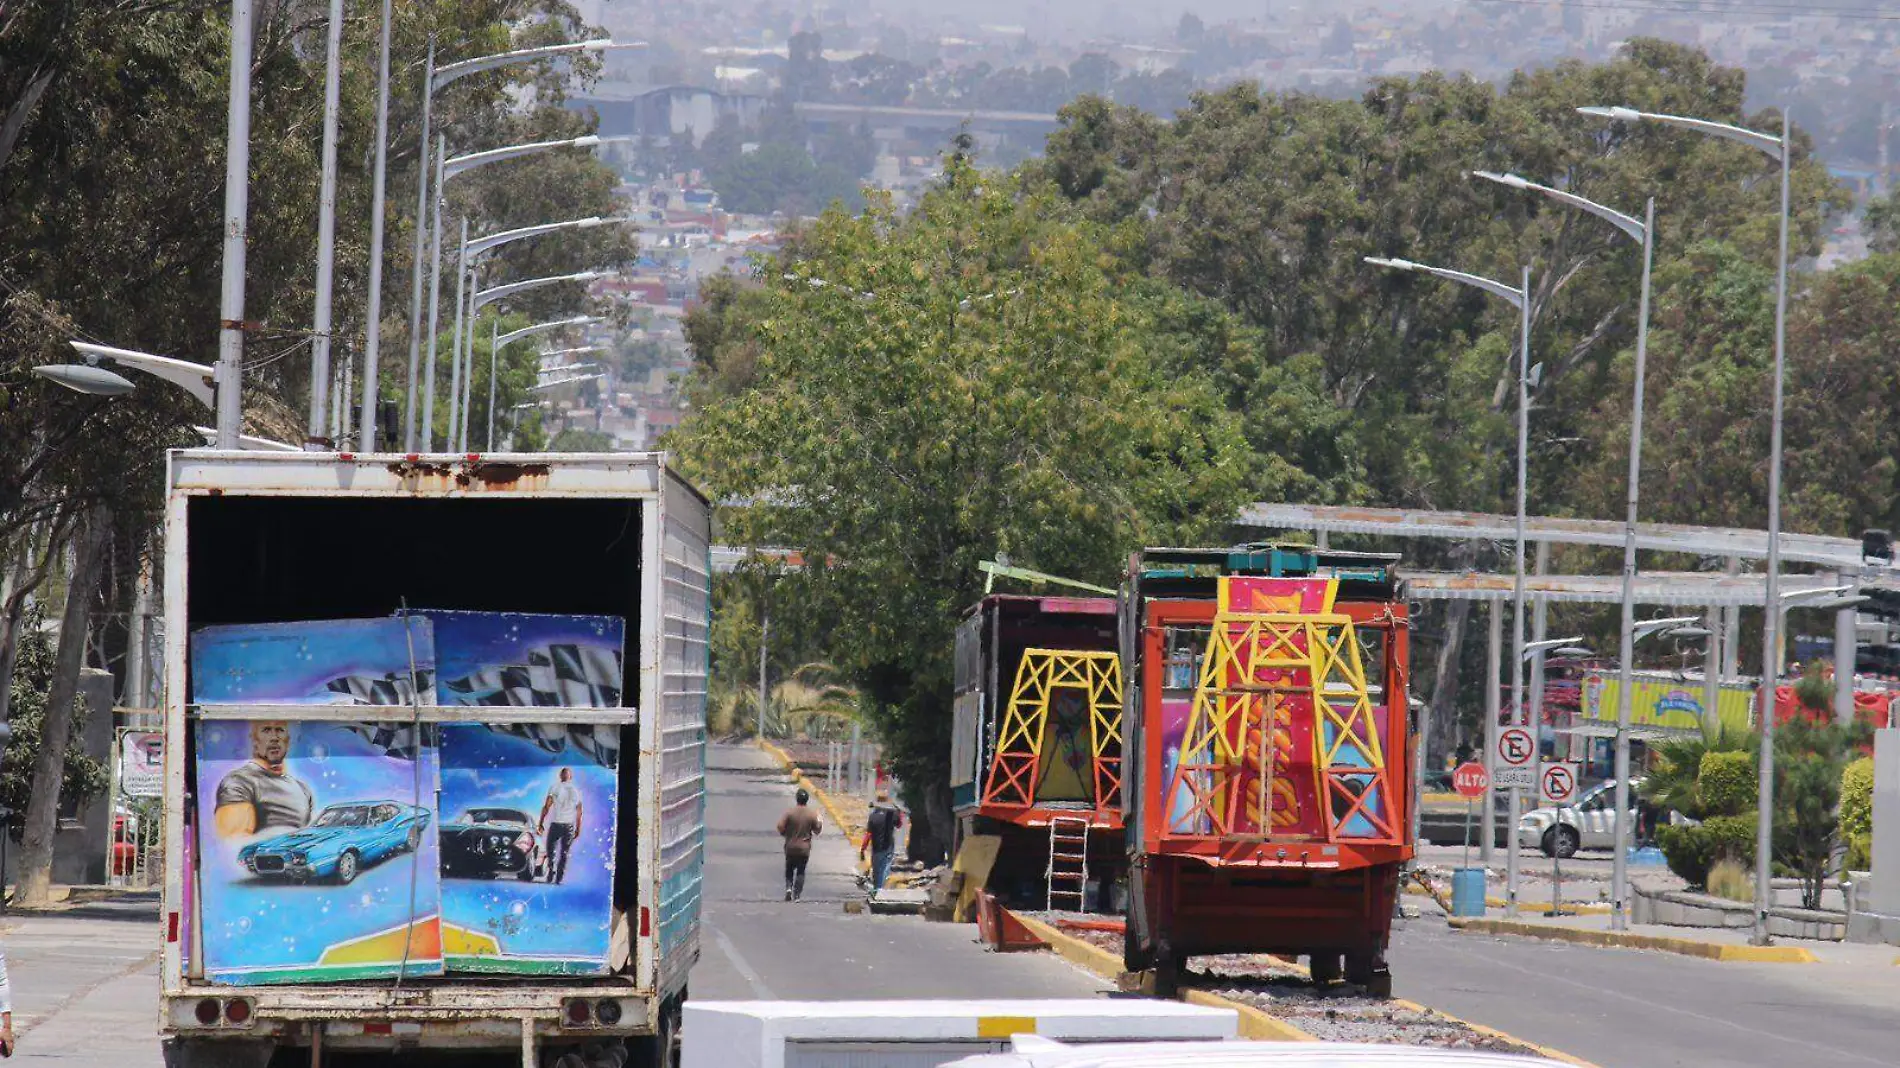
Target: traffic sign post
[(1473, 782), (1557, 787), (1517, 759)]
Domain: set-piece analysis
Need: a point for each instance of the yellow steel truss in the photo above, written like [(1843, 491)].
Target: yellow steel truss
[(1016, 770), (1239, 733)]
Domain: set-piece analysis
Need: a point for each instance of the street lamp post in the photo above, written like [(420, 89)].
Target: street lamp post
[(446, 168), (488, 296), (237, 177), (326, 231), (373, 324), (464, 282), (1519, 298), (434, 79), (1780, 148), (1643, 232)]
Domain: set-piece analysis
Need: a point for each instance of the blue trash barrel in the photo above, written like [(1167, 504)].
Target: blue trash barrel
[(1467, 892)]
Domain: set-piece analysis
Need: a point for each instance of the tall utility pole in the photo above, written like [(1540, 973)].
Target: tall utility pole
[(373, 327), (237, 176), (326, 230)]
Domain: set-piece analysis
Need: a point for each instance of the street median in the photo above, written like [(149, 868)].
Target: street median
[(1688, 947), (1254, 1024)]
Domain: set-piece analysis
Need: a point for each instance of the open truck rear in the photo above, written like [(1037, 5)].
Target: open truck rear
[(1268, 762), (523, 791)]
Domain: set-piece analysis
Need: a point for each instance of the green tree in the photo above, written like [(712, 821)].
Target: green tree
[(86, 778), (968, 379)]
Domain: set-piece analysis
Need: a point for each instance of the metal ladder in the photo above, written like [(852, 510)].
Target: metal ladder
[(1068, 872)]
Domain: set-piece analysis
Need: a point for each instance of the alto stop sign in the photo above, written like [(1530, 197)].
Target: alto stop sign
[(1470, 780)]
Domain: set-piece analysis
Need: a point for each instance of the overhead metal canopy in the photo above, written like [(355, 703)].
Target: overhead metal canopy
[(1479, 526), (1693, 589)]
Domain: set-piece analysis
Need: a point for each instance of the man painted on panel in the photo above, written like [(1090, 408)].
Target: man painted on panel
[(260, 794)]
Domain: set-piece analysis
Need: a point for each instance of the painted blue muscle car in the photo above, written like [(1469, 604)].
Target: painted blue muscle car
[(340, 843)]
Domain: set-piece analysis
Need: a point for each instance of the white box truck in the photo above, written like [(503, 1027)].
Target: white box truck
[(297, 819)]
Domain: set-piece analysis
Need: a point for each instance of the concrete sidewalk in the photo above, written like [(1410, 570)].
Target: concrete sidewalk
[(1724, 944)]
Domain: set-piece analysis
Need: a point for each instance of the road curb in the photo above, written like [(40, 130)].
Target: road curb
[(1580, 908), (1254, 1023), (1687, 947)]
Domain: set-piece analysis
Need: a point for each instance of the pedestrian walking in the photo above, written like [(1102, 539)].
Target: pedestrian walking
[(798, 827), (560, 823), (880, 837)]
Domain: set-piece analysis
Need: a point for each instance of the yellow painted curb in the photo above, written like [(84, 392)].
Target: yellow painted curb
[(1072, 949), (1492, 1032), (1581, 908), (1687, 947), (799, 778), (1254, 1023)]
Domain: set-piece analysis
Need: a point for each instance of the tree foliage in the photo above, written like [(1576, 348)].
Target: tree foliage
[(86, 777), (930, 390)]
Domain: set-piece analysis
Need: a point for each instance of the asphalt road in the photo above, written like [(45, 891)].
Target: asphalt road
[(1638, 1009), (756, 945), (85, 988)]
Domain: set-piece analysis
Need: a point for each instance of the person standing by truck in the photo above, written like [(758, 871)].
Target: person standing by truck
[(880, 837), (798, 827)]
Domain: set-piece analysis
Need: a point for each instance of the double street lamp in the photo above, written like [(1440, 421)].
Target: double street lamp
[(1644, 233), (1780, 149), (446, 168), (435, 79), (488, 296), (1520, 298)]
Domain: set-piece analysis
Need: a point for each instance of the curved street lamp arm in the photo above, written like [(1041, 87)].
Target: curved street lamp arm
[(1628, 224), (1768, 143), (449, 72), (1497, 289)]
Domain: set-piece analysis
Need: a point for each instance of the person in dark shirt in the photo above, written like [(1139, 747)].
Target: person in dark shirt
[(880, 837), (798, 827)]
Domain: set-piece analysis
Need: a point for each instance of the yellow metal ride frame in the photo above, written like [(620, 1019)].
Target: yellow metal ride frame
[(1017, 769), (1261, 672)]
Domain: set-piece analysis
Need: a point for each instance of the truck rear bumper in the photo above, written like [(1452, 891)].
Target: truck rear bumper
[(429, 1018)]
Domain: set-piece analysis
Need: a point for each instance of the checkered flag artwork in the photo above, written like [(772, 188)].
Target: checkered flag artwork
[(600, 744), (557, 676), (401, 741), (503, 685), (392, 689)]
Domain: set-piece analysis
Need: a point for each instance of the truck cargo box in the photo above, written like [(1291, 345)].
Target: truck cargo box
[(435, 752)]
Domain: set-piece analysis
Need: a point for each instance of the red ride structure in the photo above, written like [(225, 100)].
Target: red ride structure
[(1268, 774)]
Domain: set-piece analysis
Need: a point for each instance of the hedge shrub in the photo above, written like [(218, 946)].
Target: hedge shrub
[(1691, 851), (1727, 783), (1857, 812)]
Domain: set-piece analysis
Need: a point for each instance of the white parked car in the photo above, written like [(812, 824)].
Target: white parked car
[(1588, 824), (1031, 1052)]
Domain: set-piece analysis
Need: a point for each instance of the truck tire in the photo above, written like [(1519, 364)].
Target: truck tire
[(1167, 969), (219, 1053), (1369, 971), (659, 1050), (1324, 968)]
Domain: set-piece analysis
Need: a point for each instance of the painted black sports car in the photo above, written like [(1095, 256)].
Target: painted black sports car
[(485, 843)]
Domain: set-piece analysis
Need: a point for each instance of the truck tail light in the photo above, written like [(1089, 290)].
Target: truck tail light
[(171, 927), (237, 1012), (206, 1012), (607, 1012), (579, 1013), (646, 922)]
